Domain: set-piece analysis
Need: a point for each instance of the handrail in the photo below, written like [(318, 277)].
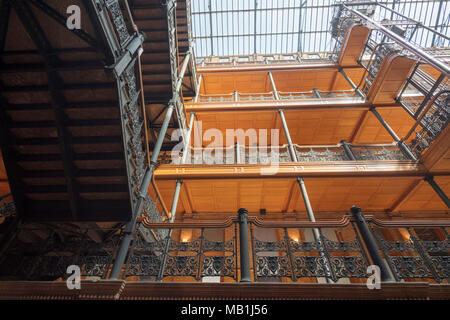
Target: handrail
[(343, 222), (300, 146), (424, 112)]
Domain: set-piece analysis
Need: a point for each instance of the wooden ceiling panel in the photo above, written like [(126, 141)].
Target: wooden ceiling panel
[(372, 131), (423, 197), (326, 194), (285, 81)]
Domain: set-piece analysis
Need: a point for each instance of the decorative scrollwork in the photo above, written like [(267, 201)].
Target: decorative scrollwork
[(219, 266), (181, 266), (273, 266), (119, 23)]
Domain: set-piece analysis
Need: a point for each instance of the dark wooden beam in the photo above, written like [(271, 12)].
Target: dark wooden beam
[(40, 40)]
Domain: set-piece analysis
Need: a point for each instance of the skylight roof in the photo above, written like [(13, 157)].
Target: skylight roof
[(238, 27)]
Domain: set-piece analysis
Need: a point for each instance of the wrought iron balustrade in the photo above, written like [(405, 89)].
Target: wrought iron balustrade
[(420, 88), (317, 95), (7, 206), (276, 154), (430, 124), (211, 251), (391, 32), (421, 253)]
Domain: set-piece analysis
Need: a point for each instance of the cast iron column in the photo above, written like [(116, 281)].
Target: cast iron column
[(143, 192), (243, 243), (348, 151), (371, 244)]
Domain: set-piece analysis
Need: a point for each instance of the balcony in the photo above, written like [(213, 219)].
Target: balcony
[(248, 249)]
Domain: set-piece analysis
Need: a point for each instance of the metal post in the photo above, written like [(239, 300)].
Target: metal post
[(176, 196), (348, 151), (357, 90), (187, 144), (316, 232), (183, 70), (236, 96), (317, 94), (370, 243), (197, 90), (274, 88), (438, 190), (400, 143), (288, 136), (237, 153), (243, 243), (143, 192)]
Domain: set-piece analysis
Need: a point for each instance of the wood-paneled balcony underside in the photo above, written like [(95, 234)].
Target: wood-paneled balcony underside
[(391, 186), (120, 289)]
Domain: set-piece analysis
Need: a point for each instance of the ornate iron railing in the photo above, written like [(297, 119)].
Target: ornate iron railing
[(273, 154), (312, 95), (430, 124), (48, 259), (194, 253), (7, 206), (212, 251), (295, 254), (416, 253)]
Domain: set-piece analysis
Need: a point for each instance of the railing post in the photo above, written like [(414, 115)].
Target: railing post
[(371, 244), (236, 96), (243, 243), (237, 153), (317, 94), (348, 151)]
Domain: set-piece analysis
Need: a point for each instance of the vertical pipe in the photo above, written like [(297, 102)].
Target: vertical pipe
[(143, 192), (348, 151), (371, 245), (187, 144), (176, 196), (317, 94), (236, 96), (288, 136), (303, 190), (274, 88), (237, 152), (197, 90), (244, 248), (400, 143), (438, 190), (183, 70)]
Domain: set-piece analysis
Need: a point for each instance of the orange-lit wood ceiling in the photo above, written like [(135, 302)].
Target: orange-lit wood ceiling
[(285, 81), (326, 194), (309, 127)]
